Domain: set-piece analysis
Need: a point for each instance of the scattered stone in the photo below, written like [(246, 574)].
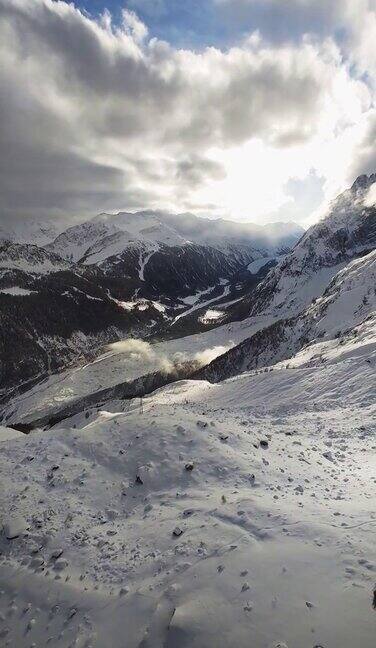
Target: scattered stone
[(36, 562), (60, 565), (56, 554), (188, 512), (112, 514), (177, 532), (14, 527), (264, 444), (189, 466)]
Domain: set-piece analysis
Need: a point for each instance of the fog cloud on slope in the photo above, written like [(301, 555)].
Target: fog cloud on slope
[(148, 358)]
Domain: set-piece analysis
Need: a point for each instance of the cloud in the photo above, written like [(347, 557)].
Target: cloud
[(208, 355), (286, 20), (139, 353), (133, 26), (365, 159), (97, 116), (304, 197), (281, 20), (350, 23)]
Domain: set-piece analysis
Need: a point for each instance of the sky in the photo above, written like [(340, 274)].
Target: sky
[(252, 110)]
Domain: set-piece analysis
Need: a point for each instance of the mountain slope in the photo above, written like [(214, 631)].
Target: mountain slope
[(348, 231), (52, 311), (171, 255), (347, 302), (29, 258)]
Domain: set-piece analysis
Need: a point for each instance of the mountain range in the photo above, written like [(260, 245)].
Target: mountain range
[(187, 433), (119, 275)]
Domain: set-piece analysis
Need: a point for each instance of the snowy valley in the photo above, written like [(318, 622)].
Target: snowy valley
[(199, 468)]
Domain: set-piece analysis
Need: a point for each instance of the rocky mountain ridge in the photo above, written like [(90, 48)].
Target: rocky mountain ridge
[(103, 280)]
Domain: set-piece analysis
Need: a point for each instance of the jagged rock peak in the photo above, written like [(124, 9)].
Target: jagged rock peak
[(363, 182)]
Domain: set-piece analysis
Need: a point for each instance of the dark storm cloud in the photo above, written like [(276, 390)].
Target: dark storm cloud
[(95, 115)]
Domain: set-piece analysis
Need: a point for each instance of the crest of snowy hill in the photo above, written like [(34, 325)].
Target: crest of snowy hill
[(348, 302), (348, 231), (29, 258), (31, 231)]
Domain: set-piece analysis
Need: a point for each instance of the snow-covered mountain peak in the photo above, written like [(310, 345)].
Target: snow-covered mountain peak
[(76, 240), (142, 225), (347, 231)]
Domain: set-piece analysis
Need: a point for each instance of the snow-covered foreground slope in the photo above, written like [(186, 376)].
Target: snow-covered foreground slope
[(236, 514)]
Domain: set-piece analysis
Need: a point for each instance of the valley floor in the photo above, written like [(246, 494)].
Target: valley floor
[(210, 516)]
